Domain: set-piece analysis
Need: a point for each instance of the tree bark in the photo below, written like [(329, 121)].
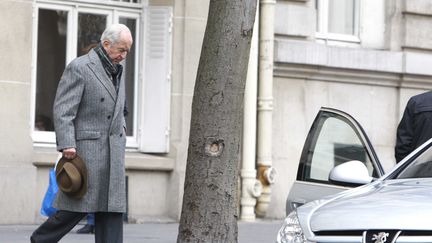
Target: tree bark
[(209, 212)]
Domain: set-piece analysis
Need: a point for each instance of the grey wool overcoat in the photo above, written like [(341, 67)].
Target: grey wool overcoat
[(88, 116)]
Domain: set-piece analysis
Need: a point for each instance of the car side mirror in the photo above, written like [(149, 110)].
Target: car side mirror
[(351, 173)]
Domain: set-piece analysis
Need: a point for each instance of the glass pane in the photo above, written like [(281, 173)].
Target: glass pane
[(319, 13), (90, 28), (421, 167), (51, 60), (130, 81), (337, 143), (341, 17)]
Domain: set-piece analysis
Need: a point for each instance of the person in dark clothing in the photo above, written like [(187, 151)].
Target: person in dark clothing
[(415, 127)]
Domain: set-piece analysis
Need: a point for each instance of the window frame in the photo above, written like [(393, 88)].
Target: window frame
[(114, 10), (322, 33), (132, 141)]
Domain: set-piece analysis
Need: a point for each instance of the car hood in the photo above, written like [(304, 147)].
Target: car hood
[(394, 204)]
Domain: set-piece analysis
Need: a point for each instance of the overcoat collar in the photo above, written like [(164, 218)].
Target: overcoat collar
[(97, 68)]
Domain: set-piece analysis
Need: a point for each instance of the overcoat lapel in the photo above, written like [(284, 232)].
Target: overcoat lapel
[(98, 70), (118, 106)]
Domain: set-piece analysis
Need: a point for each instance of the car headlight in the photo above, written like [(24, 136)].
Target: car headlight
[(291, 232)]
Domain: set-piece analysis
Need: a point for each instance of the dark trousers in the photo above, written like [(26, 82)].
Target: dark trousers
[(108, 227)]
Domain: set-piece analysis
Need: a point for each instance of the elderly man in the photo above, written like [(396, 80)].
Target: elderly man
[(89, 122)]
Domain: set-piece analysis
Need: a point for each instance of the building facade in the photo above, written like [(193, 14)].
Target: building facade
[(364, 57)]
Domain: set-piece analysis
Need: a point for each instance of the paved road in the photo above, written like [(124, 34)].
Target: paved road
[(257, 232)]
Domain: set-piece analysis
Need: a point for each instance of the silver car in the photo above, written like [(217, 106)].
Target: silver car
[(396, 207)]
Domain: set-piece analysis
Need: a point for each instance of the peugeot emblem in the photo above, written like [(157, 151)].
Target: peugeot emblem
[(381, 237)]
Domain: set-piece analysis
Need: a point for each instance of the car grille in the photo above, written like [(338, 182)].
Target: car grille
[(373, 236)]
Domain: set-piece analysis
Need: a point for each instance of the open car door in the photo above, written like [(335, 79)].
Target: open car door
[(334, 138)]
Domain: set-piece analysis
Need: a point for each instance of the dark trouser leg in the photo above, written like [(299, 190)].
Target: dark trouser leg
[(56, 226), (108, 227)]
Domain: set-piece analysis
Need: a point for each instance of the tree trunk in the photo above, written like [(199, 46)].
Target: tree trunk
[(209, 212)]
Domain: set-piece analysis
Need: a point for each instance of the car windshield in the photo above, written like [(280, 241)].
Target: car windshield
[(421, 167)]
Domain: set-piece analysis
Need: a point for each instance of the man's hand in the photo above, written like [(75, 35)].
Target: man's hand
[(69, 153)]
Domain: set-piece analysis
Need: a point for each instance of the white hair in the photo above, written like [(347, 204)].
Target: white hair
[(113, 33)]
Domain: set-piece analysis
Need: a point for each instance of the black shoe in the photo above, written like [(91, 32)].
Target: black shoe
[(87, 229)]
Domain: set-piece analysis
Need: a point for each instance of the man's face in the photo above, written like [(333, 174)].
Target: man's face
[(118, 51)]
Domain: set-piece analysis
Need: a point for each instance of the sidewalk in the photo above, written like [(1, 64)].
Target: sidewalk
[(257, 232)]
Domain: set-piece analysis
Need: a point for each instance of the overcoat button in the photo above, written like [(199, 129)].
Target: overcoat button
[(109, 117), (102, 99), (121, 134)]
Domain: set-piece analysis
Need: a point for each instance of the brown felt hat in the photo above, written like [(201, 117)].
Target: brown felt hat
[(71, 177)]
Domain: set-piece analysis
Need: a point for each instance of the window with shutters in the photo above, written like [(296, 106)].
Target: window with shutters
[(65, 30)]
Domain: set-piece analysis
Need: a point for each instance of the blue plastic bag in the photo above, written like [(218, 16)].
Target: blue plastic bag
[(47, 209)]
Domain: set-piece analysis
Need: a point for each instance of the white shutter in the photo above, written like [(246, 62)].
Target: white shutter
[(155, 116)]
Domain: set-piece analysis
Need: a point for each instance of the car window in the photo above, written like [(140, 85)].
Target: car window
[(336, 143), (421, 167), (334, 138)]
